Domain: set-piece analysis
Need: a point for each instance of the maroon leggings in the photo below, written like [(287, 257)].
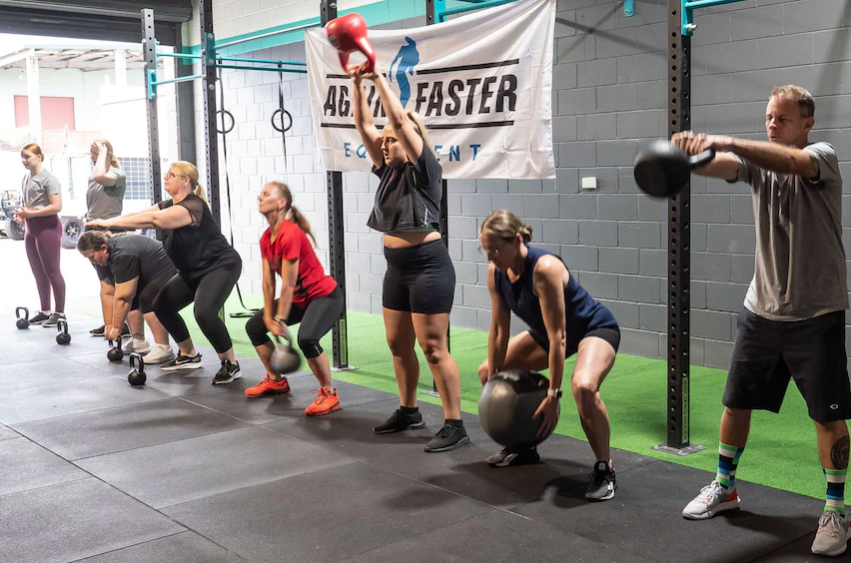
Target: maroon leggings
[(44, 244)]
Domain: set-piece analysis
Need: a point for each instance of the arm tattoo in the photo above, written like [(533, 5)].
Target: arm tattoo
[(839, 453)]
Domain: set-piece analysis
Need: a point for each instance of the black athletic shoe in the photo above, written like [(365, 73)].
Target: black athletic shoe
[(125, 329), (603, 482), (100, 331), (183, 362), (227, 373), (506, 458), (449, 437), (53, 320), (39, 318), (399, 421)]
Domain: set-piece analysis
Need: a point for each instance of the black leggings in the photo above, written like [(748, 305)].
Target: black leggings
[(316, 320), (209, 293)]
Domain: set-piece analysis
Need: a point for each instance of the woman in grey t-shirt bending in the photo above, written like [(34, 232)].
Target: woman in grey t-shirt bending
[(42, 202)]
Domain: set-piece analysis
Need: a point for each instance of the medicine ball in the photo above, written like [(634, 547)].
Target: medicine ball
[(508, 403)]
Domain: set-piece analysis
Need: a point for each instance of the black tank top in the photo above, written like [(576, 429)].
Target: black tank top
[(200, 247)]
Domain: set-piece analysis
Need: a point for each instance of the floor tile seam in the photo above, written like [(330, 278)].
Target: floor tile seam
[(784, 546), (41, 386), (128, 546), (323, 467), (13, 424), (188, 400), (84, 458), (82, 478)]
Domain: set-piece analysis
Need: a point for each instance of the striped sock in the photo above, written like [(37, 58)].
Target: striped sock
[(835, 498), (728, 459)]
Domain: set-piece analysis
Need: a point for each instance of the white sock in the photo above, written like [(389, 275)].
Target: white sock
[(46, 312)]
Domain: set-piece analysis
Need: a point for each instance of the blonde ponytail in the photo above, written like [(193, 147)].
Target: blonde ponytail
[(419, 127), (505, 225), (296, 217)]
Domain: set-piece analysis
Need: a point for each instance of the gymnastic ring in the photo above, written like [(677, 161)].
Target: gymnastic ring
[(224, 113), (275, 125)]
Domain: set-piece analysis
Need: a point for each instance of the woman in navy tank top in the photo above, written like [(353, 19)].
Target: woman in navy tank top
[(536, 286)]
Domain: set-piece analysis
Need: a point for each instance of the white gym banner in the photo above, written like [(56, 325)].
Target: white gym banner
[(482, 82)]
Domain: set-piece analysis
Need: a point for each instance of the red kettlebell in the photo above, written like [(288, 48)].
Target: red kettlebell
[(347, 34)]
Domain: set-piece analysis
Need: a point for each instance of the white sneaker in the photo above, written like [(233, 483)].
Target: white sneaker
[(713, 498), (137, 346), (159, 354), (832, 535)]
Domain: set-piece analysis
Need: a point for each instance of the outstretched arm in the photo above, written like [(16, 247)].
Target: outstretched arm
[(363, 121), (172, 217)]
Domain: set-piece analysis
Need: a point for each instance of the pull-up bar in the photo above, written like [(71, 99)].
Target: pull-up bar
[(152, 81), (690, 6), (227, 44)]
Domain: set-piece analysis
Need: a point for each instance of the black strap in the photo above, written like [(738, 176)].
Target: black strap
[(282, 111), (224, 131)]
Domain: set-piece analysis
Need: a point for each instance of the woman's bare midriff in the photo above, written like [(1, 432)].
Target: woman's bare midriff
[(404, 239)]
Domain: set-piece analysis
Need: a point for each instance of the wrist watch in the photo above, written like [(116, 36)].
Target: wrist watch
[(554, 393)]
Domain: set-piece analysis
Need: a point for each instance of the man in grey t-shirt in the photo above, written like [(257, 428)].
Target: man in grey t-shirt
[(793, 321)]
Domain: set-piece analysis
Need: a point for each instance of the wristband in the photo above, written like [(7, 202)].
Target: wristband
[(554, 393)]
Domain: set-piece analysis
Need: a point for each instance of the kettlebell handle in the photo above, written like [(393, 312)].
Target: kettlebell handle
[(134, 360), (25, 310), (62, 326), (701, 159)]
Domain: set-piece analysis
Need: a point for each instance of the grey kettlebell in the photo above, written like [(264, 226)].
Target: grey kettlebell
[(662, 169), (285, 359)]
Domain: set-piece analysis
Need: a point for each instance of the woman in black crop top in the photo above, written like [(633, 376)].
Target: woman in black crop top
[(419, 285), (208, 268)]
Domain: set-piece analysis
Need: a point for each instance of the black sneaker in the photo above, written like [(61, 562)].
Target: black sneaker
[(506, 458), (125, 329), (227, 373), (100, 331), (449, 437), (53, 320), (603, 482), (399, 421), (183, 362), (39, 318)]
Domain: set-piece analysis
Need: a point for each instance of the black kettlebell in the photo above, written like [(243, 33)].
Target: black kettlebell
[(662, 169), (23, 321), (285, 359), (63, 337), (137, 376), (115, 354)]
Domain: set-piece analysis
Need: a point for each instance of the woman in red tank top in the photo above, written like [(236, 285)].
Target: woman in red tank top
[(307, 296)]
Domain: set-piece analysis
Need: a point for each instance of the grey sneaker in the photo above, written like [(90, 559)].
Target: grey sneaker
[(139, 346), (449, 437), (505, 458), (713, 498), (39, 318), (53, 320), (603, 482), (832, 535)]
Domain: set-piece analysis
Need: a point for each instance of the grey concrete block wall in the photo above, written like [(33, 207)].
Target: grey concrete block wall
[(609, 97)]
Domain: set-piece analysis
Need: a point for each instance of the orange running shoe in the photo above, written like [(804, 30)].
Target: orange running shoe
[(268, 388), (326, 401)]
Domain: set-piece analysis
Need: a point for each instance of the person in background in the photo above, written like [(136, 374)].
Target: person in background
[(42, 202)]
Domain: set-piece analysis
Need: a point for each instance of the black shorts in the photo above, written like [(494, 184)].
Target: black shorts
[(612, 335), (419, 279), (768, 353)]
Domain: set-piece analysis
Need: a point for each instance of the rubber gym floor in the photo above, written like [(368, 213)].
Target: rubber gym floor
[(180, 471)]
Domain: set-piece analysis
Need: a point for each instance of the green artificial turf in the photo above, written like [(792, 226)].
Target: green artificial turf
[(781, 453)]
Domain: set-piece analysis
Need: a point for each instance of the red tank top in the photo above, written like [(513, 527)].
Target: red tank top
[(292, 244)]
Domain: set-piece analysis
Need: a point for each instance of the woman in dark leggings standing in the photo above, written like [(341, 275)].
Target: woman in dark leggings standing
[(42, 202), (419, 286), (308, 297), (208, 268)]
